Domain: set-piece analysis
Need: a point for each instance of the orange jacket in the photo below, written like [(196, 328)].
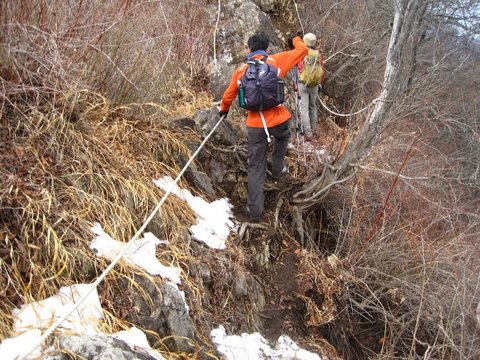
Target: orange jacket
[(284, 61)]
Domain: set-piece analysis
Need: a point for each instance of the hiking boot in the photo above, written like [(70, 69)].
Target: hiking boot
[(282, 174), (254, 219)]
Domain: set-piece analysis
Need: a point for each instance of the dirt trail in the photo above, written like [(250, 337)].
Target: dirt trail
[(281, 311)]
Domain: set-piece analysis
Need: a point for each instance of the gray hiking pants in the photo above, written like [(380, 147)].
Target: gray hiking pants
[(308, 107), (257, 161)]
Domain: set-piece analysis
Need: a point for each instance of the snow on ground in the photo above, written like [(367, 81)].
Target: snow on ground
[(214, 224), (141, 253), (213, 228), (41, 314), (18, 347), (137, 340), (30, 318), (255, 347)]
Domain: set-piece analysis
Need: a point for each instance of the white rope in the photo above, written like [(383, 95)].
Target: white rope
[(345, 115), (57, 323), (215, 34), (298, 16)]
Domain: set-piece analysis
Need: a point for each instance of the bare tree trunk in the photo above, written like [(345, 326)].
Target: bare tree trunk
[(418, 37), (406, 14)]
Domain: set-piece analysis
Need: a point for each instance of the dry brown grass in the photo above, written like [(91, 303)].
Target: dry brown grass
[(61, 177), (86, 94)]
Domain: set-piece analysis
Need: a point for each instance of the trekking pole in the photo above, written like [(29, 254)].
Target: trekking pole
[(298, 117), (297, 140)]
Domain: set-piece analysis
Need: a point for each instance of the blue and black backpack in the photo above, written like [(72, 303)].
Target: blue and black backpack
[(260, 87)]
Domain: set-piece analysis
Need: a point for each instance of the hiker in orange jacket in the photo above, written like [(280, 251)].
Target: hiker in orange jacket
[(276, 120)]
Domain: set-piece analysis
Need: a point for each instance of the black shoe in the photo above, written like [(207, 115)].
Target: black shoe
[(282, 174), (252, 218)]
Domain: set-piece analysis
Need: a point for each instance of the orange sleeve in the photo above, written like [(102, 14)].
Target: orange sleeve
[(286, 60)]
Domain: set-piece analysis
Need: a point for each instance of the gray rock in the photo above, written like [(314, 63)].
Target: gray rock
[(201, 180), (266, 5), (257, 293), (241, 19), (225, 134), (220, 76), (245, 19), (164, 313), (97, 347), (218, 170), (240, 288), (183, 122), (204, 272), (193, 174)]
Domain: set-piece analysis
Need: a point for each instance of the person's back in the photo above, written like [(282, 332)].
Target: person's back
[(261, 124), (284, 61), (311, 76)]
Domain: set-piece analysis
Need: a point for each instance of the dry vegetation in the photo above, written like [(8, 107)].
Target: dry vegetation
[(407, 227), (87, 87), (84, 132)]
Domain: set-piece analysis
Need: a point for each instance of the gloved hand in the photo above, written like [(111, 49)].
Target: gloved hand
[(223, 113), (290, 41), (291, 36)]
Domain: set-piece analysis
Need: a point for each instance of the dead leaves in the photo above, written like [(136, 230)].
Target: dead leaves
[(320, 287)]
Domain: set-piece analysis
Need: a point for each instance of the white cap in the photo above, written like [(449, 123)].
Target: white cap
[(309, 39)]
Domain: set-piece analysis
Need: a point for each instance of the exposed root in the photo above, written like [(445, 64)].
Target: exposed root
[(248, 225)]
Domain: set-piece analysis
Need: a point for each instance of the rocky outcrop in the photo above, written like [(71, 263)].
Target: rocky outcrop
[(226, 133), (158, 307), (215, 169), (240, 20), (216, 274), (267, 5), (221, 170), (97, 347), (220, 75)]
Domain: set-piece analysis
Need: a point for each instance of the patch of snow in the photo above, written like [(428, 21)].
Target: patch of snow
[(15, 347), (41, 314), (31, 318), (286, 348), (214, 224), (137, 340), (141, 253), (256, 347)]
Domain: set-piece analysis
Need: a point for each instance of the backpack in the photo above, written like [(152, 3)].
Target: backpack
[(260, 87), (312, 73)]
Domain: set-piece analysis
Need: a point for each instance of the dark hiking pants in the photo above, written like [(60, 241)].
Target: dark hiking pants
[(257, 162)]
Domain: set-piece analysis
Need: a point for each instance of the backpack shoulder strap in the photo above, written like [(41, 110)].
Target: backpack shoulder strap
[(272, 61), (258, 61)]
